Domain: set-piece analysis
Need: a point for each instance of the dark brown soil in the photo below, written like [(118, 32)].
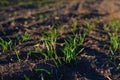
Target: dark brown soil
[(92, 64)]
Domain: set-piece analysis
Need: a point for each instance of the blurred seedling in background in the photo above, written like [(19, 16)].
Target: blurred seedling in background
[(89, 26), (17, 53), (59, 28), (23, 3), (41, 16), (74, 25), (118, 67), (105, 28), (4, 3), (26, 37), (5, 45), (115, 26), (23, 38)]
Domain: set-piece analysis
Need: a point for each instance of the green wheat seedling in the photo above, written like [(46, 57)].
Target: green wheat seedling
[(43, 70), (70, 48), (24, 38), (50, 53), (50, 36), (17, 52), (41, 16), (74, 26), (81, 38), (5, 44), (42, 77), (114, 46), (114, 41), (26, 77), (4, 3), (112, 57), (49, 40), (105, 28), (36, 51), (115, 26), (89, 26), (118, 67)]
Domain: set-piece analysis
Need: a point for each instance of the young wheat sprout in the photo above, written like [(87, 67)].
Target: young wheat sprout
[(114, 46), (5, 44), (70, 49)]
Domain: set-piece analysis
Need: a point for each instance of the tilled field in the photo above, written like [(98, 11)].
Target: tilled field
[(60, 40)]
